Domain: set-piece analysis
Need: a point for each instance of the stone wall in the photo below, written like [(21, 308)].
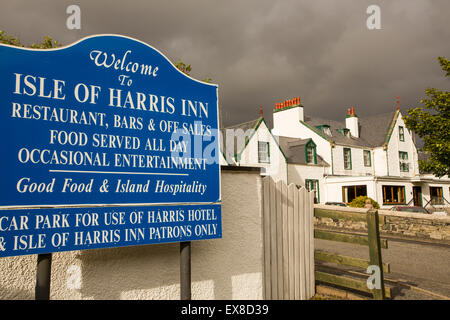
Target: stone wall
[(408, 225)]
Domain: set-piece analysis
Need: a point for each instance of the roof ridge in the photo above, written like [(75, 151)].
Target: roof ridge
[(243, 123)]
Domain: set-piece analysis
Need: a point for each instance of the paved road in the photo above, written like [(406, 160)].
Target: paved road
[(421, 265)]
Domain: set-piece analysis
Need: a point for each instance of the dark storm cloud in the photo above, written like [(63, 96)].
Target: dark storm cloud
[(262, 52)]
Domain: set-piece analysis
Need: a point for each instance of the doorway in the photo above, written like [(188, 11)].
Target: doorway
[(417, 196)]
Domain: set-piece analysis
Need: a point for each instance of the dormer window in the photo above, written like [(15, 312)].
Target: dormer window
[(325, 129), (346, 132), (310, 153)]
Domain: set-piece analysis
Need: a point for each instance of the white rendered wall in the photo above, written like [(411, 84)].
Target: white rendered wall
[(351, 123), (285, 122), (227, 268), (334, 187), (277, 168), (297, 174), (357, 168), (395, 145), (380, 162)]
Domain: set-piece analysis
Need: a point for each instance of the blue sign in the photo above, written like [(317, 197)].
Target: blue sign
[(111, 128), (35, 231), (107, 120)]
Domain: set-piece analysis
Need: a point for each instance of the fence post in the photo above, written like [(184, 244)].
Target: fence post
[(375, 251)]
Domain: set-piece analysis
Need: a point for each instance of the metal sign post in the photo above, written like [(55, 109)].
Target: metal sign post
[(185, 270), (43, 276)]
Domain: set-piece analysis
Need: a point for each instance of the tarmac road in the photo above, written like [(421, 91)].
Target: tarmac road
[(424, 266)]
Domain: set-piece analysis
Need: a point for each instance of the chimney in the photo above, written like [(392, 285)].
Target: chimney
[(286, 117), (260, 111), (351, 122)]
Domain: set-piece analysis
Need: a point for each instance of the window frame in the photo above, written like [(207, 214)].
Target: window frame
[(349, 150), (311, 145), (403, 161), (309, 183), (267, 144), (439, 196), (402, 195), (345, 189), (401, 133), (370, 158)]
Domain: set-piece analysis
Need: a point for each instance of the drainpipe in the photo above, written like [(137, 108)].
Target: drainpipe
[(387, 161), (332, 162)]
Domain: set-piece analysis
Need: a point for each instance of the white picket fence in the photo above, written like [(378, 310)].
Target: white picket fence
[(288, 241)]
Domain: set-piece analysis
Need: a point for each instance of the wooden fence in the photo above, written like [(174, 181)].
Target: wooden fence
[(372, 240), (288, 241)]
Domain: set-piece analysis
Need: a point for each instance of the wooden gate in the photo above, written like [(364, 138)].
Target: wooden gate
[(288, 241), (372, 240)]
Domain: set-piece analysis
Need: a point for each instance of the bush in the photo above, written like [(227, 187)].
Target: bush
[(360, 202)]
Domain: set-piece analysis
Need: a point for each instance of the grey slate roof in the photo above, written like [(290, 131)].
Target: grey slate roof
[(232, 144), (373, 130), (294, 150)]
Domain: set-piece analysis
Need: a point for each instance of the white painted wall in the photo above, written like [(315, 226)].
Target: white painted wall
[(297, 174), (227, 268), (334, 186), (357, 155), (285, 122), (395, 145), (277, 168), (352, 124), (380, 162)]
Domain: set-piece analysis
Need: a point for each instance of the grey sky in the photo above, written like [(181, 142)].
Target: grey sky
[(261, 52)]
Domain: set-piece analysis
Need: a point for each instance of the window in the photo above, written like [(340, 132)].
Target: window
[(401, 133), (367, 158), (313, 185), (347, 132), (436, 195), (263, 152), (310, 153), (404, 164), (347, 159), (326, 130), (393, 195), (351, 192)]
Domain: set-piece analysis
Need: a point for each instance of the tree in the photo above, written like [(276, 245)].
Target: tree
[(183, 67), (186, 68), (48, 42), (433, 127)]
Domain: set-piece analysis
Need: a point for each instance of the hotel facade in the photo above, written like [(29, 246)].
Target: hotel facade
[(372, 156)]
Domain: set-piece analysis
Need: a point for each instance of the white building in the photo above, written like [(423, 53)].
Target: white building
[(373, 156), (252, 144)]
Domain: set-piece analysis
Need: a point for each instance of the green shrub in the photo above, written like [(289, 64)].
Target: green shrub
[(360, 202)]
